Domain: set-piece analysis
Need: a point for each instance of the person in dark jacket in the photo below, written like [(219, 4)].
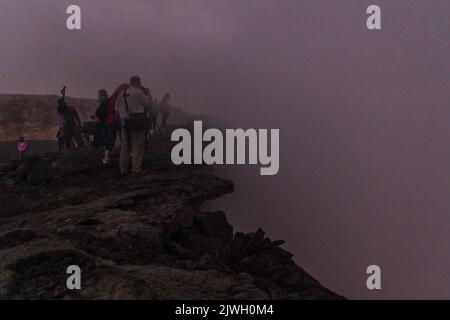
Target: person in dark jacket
[(71, 124), (110, 119), (100, 118)]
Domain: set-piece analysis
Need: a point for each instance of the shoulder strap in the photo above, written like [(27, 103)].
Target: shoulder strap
[(125, 95)]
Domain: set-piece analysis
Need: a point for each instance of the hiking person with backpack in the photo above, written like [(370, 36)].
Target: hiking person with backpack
[(100, 118), (22, 146), (110, 118), (134, 106)]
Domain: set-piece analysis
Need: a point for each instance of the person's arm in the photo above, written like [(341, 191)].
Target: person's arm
[(120, 106), (144, 98), (148, 97)]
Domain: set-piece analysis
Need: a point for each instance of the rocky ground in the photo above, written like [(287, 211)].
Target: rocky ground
[(133, 238)]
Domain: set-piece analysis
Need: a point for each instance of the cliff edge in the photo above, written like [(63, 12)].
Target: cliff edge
[(133, 238)]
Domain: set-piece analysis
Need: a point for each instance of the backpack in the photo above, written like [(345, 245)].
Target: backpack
[(112, 115), (135, 121)]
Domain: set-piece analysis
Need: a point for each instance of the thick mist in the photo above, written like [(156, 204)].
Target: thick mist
[(362, 114)]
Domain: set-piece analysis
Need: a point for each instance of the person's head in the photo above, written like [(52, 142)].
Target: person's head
[(21, 139), (135, 81), (102, 95), (166, 97)]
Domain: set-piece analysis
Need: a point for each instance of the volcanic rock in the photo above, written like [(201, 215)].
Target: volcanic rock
[(133, 238)]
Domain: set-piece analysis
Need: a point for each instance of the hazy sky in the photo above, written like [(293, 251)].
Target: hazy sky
[(363, 115)]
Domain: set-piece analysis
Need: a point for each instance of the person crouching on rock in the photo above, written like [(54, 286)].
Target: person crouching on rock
[(72, 124), (133, 106), (22, 146)]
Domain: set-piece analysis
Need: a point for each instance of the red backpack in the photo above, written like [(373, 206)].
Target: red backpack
[(113, 115)]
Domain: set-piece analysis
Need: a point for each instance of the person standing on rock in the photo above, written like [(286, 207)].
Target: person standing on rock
[(101, 115), (163, 108), (71, 124), (22, 146), (134, 106), (110, 117)]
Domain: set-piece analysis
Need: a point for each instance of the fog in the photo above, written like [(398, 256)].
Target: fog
[(363, 115)]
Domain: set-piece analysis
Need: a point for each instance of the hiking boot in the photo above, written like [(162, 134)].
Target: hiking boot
[(107, 157), (137, 174)]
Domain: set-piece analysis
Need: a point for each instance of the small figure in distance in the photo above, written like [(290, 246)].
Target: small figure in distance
[(163, 108), (22, 146)]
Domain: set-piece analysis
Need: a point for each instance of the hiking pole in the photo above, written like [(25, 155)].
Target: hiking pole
[(154, 121), (63, 92), (152, 118)]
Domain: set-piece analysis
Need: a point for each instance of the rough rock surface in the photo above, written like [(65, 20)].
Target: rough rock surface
[(35, 116), (133, 238)]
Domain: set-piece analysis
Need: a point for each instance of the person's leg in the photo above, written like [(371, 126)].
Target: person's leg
[(124, 162), (78, 138), (111, 136), (154, 121), (69, 140), (106, 157), (119, 133), (138, 148)]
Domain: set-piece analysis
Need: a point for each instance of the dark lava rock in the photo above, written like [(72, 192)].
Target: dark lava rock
[(133, 238)]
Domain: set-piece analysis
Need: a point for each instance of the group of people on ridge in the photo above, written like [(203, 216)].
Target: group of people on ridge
[(129, 113)]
